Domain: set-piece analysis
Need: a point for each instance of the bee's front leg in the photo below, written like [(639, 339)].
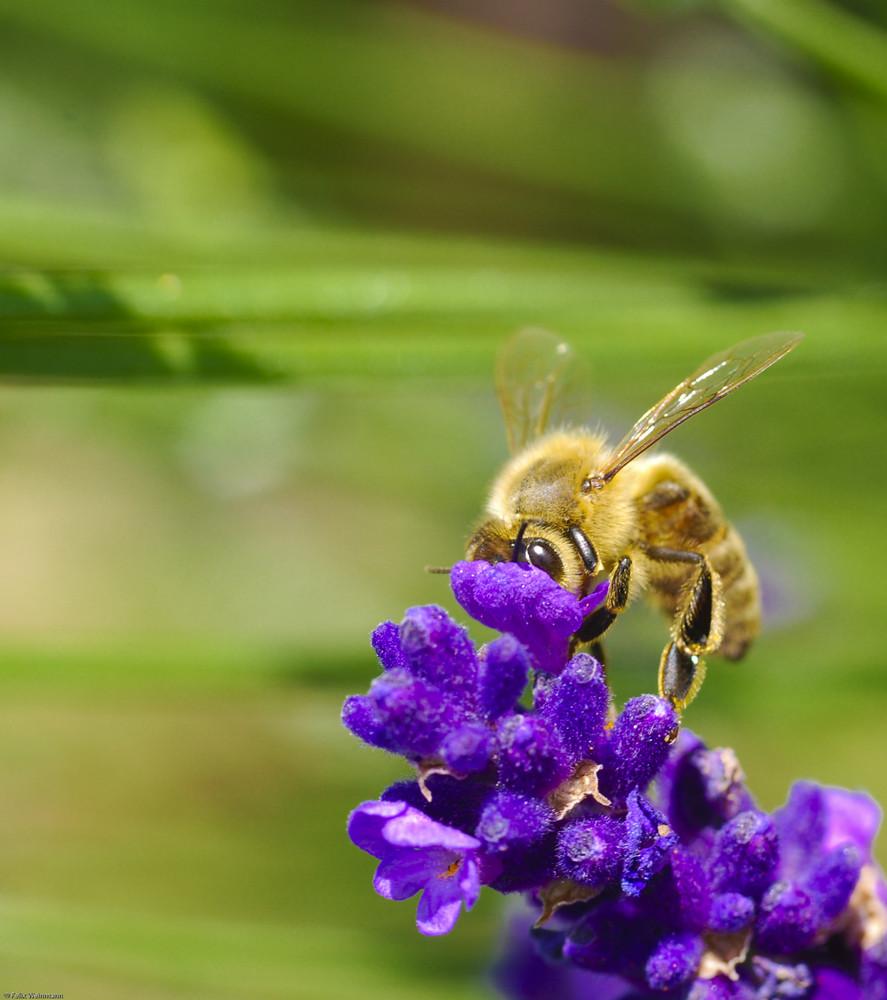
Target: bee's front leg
[(599, 620)]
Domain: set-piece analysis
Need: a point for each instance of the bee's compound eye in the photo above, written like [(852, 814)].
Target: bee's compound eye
[(542, 555), (488, 550)]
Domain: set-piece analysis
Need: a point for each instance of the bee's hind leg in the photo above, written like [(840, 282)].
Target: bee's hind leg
[(698, 629), (680, 675)]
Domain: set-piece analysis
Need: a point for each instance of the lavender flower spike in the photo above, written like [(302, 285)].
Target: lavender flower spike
[(418, 854), (647, 867)]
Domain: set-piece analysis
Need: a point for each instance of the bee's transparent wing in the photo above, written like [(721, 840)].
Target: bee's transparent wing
[(538, 384), (713, 380)]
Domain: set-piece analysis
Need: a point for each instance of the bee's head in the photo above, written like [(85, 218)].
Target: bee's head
[(568, 558)]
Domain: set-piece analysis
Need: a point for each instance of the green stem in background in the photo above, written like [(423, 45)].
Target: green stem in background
[(839, 42), (334, 321)]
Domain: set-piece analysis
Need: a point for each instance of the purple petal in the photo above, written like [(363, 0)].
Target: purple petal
[(439, 651), (817, 817), (730, 912), (648, 843), (834, 984), (744, 855), (413, 828), (413, 716), (360, 715), (597, 597), (532, 759), (801, 823), (853, 818), (524, 601), (469, 877), (701, 788), (468, 749), (638, 745), (511, 819), (787, 922), (439, 907), (832, 880), (576, 703), (674, 961), (405, 871), (386, 643), (592, 850), (501, 676), (683, 893), (367, 823), (377, 827), (443, 898)]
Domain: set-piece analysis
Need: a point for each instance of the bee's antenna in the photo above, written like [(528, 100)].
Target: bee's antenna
[(515, 547), (437, 569)]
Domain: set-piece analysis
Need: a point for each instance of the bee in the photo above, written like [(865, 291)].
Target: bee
[(579, 509)]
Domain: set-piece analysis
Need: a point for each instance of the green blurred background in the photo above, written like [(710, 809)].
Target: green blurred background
[(257, 259)]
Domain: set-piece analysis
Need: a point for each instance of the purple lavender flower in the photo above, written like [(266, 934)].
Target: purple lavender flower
[(648, 867), (417, 854), (748, 915), (516, 598)]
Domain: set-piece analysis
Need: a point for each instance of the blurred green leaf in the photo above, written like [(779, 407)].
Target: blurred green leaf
[(391, 72), (346, 320), (840, 42)]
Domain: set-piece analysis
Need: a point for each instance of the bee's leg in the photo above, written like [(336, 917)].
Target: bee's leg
[(680, 676), (599, 620), (698, 628), (599, 653)]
